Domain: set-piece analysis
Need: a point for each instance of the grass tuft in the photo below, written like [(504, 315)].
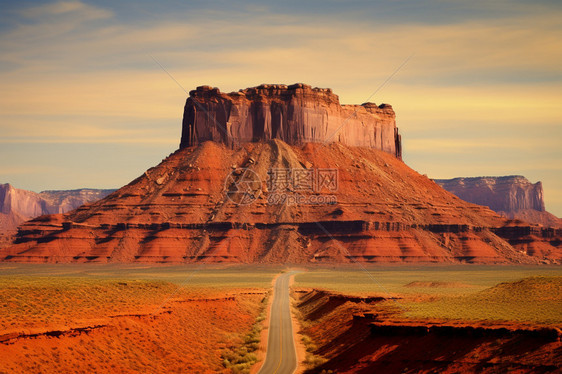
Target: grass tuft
[(240, 359)]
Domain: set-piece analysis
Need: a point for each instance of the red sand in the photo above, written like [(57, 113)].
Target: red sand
[(350, 344), (181, 337)]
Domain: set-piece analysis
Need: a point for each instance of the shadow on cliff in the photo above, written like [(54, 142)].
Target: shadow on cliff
[(358, 350)]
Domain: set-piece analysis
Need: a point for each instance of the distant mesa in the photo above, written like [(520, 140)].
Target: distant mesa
[(511, 196), (295, 114), (17, 205)]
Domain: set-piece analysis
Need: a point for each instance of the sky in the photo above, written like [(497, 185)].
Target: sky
[(83, 102)]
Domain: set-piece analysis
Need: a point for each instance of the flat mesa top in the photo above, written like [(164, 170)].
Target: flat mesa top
[(280, 91), (295, 114), (265, 87)]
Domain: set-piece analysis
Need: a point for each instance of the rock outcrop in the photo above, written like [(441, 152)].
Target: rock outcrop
[(511, 196), (245, 195), (188, 209), (295, 114), (17, 205)]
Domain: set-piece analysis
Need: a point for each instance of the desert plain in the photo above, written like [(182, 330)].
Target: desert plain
[(214, 318)]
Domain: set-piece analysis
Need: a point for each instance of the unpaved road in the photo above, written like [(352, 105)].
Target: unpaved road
[(281, 356)]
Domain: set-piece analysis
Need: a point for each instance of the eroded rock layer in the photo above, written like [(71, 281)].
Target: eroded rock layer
[(295, 114), (198, 205)]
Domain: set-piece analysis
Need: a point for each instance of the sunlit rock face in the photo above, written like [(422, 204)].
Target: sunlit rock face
[(501, 194), (182, 210), (512, 196), (17, 205), (296, 114)]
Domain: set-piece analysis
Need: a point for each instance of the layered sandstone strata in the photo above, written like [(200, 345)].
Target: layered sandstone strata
[(295, 114), (187, 209)]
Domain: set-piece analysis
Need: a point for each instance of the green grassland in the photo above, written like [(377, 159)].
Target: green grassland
[(491, 293)]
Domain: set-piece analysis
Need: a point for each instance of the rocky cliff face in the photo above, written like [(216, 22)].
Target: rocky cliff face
[(295, 114), (512, 196), (17, 206), (501, 194)]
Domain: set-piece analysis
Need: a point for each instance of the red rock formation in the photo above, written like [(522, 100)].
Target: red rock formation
[(332, 201), (511, 196), (17, 206), (295, 114), (180, 211)]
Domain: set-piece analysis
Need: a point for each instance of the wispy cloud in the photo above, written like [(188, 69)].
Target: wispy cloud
[(66, 8)]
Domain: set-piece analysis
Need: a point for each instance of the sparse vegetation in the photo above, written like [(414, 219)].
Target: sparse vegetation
[(398, 279), (36, 301), (33, 296), (209, 307), (240, 359), (495, 293), (471, 292), (187, 275), (534, 299), (517, 295), (311, 359)]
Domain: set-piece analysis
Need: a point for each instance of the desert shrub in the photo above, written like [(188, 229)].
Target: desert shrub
[(313, 360), (308, 343), (239, 360)]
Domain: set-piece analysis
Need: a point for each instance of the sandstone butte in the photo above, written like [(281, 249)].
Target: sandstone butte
[(17, 205), (187, 208), (295, 114), (511, 196)]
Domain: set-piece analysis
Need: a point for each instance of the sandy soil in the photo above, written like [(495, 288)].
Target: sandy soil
[(184, 335), (365, 335)]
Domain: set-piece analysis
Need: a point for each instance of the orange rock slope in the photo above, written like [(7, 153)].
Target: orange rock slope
[(213, 203)]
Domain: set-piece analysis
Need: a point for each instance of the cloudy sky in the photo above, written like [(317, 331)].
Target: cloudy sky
[(84, 104)]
